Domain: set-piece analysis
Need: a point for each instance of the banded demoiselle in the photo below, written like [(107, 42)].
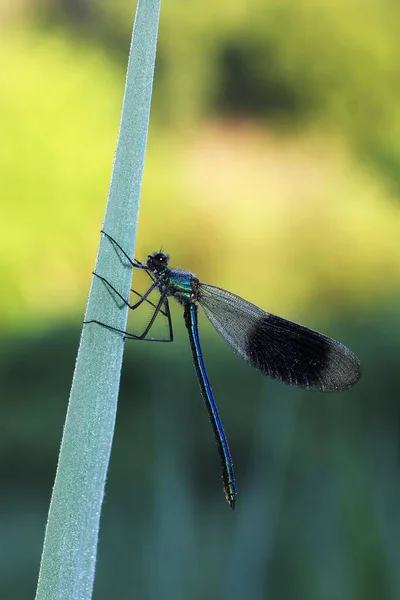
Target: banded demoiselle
[(276, 347)]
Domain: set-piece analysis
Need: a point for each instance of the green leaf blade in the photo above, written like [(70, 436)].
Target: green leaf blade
[(70, 547)]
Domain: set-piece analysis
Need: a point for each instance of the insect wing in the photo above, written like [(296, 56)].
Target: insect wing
[(279, 348)]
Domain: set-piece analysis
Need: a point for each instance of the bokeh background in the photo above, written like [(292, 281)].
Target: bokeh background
[(273, 169)]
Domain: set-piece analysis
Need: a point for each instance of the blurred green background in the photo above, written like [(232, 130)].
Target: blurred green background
[(273, 169)]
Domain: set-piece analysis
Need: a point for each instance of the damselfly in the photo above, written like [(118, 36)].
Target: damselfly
[(278, 348)]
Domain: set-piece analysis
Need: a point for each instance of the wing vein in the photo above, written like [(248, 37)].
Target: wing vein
[(279, 348)]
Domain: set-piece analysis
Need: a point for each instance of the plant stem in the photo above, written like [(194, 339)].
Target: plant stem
[(70, 546)]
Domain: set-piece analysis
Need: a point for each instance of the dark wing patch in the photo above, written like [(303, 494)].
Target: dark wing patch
[(279, 348)]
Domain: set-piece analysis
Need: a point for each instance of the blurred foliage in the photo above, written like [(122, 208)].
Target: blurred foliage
[(273, 170), (325, 74), (297, 61), (317, 513)]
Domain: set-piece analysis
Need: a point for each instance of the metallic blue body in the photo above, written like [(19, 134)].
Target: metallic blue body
[(184, 287), (278, 348), (179, 284), (205, 387)]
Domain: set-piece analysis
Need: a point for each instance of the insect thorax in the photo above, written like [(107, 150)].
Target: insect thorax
[(183, 285)]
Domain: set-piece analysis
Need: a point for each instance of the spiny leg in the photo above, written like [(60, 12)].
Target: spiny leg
[(126, 334), (131, 306), (131, 336), (168, 314), (162, 301), (149, 302), (135, 263)]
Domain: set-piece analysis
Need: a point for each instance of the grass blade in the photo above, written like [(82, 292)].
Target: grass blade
[(69, 553)]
